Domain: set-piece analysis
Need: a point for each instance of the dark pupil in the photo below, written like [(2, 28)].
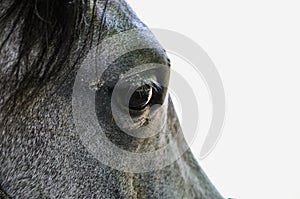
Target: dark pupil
[(141, 97)]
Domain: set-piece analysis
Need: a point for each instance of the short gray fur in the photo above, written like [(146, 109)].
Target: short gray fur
[(41, 156)]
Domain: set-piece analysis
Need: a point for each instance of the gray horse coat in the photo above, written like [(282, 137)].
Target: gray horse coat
[(42, 45)]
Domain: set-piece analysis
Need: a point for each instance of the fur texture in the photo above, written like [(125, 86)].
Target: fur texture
[(42, 43)]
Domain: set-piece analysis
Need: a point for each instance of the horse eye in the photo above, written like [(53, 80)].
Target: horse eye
[(141, 97)]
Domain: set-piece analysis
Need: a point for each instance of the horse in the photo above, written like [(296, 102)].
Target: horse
[(43, 44)]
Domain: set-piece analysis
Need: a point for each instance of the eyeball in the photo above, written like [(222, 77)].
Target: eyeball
[(141, 97)]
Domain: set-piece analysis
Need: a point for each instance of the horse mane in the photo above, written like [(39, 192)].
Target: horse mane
[(41, 38)]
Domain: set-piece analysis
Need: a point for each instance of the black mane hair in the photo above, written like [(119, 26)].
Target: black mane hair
[(38, 40)]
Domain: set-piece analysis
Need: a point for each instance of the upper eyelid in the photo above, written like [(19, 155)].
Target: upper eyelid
[(126, 90), (155, 85)]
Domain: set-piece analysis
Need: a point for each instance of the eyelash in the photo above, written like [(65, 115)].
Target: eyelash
[(155, 85), (156, 90)]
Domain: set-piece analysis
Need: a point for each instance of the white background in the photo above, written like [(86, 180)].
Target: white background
[(255, 46)]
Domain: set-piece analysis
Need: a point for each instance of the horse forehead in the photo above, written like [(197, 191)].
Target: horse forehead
[(117, 16), (124, 31)]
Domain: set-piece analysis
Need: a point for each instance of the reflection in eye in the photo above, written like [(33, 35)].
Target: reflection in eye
[(137, 95), (141, 97)]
